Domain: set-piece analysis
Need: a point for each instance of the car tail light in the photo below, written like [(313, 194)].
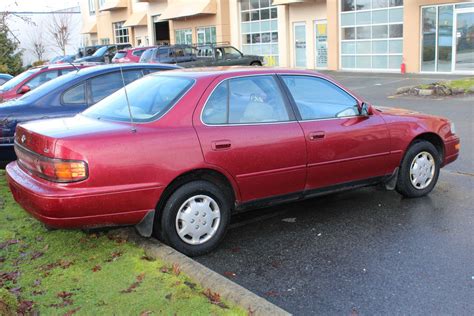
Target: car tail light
[(52, 169)]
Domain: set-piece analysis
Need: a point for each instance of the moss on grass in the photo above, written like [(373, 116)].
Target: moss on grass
[(56, 272)]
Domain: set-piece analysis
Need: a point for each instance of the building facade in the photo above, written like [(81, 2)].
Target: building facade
[(432, 36)]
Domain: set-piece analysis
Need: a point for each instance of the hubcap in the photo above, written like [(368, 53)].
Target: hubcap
[(198, 219), (422, 170)]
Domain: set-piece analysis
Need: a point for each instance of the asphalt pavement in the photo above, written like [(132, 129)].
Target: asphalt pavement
[(367, 251)]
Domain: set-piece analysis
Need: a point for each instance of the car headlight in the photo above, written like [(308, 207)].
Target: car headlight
[(453, 128)]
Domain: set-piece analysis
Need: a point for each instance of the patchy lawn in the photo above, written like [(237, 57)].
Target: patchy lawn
[(71, 272), (463, 86)]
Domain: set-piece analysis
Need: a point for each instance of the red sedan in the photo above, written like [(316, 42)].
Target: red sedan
[(204, 144), (33, 78)]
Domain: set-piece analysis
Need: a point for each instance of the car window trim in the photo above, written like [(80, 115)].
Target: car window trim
[(293, 102), (291, 115)]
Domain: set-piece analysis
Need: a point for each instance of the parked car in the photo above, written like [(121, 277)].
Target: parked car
[(204, 144), (131, 55), (32, 79), (63, 59), (4, 78), (201, 56), (87, 51), (67, 96), (104, 54), (175, 54), (223, 55)]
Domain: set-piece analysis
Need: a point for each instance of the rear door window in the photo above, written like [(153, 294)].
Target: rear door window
[(255, 99), (75, 95)]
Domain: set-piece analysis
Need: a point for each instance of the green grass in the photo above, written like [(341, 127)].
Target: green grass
[(464, 84), (56, 272)]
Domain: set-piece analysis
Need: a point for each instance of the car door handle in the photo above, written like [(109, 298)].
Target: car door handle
[(221, 145), (316, 135)]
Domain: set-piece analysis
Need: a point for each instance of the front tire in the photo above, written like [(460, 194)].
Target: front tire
[(419, 170), (195, 218)]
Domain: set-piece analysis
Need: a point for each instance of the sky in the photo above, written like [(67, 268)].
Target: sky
[(36, 5), (26, 31)]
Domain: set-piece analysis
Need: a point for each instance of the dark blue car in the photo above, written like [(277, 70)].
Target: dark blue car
[(66, 96)]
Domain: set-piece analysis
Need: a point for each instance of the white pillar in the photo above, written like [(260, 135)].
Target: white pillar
[(283, 36), (234, 21)]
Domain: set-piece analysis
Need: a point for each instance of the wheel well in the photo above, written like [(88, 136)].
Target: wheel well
[(210, 175), (433, 139), (256, 62)]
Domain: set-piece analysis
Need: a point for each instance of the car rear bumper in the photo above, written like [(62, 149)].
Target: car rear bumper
[(62, 207), (451, 150)]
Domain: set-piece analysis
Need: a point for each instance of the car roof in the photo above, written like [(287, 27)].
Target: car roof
[(112, 67), (235, 71)]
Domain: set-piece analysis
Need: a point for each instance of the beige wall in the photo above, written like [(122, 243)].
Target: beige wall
[(306, 13), (333, 34), (154, 8), (412, 31), (219, 20), (87, 20)]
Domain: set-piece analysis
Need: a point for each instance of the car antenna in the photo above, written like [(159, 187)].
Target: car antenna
[(72, 64), (134, 130)]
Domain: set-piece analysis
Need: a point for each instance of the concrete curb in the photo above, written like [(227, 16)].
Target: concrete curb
[(206, 278)]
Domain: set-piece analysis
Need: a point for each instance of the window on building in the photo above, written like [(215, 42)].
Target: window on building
[(259, 28), (371, 34), (91, 7), (101, 3), (206, 35), (121, 33), (184, 36)]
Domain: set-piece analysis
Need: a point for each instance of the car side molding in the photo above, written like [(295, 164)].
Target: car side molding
[(307, 194)]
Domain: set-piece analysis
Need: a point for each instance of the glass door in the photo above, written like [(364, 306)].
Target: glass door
[(321, 44), (464, 39), (300, 44)]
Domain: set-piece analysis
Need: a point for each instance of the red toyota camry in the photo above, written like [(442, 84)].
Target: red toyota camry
[(200, 145)]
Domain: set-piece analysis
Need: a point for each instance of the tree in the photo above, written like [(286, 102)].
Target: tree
[(61, 29), (37, 46), (10, 56)]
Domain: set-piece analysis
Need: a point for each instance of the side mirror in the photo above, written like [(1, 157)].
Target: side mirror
[(365, 109), (24, 89)]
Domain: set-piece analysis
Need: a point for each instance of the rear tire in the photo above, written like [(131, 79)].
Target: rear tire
[(255, 63), (195, 218), (419, 170)]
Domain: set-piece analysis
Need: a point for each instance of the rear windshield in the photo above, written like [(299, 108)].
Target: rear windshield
[(18, 79), (162, 92)]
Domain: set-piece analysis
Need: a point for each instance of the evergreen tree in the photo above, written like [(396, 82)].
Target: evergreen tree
[(10, 57)]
